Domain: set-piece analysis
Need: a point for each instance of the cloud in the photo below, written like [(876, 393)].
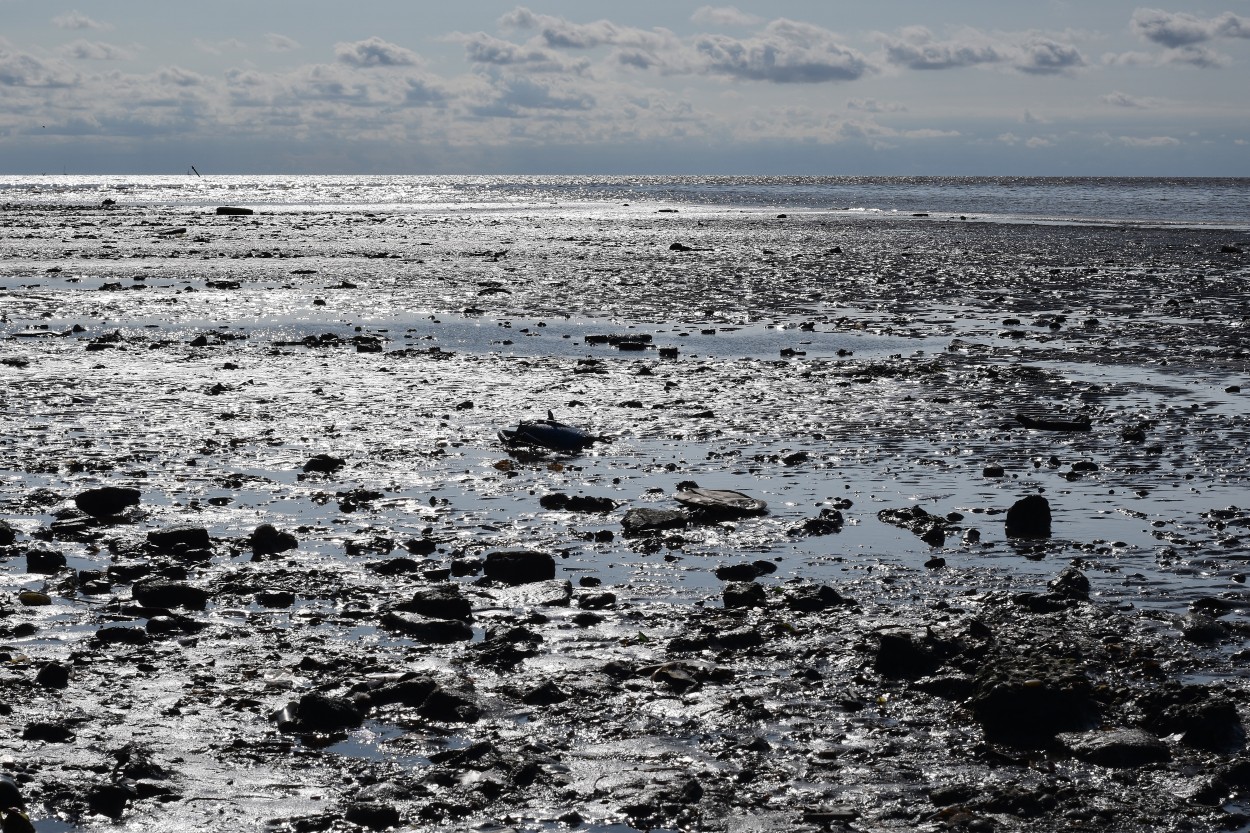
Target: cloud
[(871, 105), (558, 33), (84, 50), (1196, 56), (786, 52), (375, 52), (783, 52), (1041, 56), (21, 69), (917, 48), (78, 20), (724, 16), (1119, 99), (280, 43), (520, 95), (233, 44), (179, 77), (1141, 141), (481, 48), (1038, 142), (1180, 29)]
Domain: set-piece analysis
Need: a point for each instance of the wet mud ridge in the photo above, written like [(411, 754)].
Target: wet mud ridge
[(581, 518)]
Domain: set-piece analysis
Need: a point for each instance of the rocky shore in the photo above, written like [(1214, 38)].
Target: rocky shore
[(268, 562)]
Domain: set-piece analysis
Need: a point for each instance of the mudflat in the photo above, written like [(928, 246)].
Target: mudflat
[(268, 563)]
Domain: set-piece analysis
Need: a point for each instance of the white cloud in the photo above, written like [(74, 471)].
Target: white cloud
[(724, 16), (85, 50), (375, 52), (917, 48), (1181, 29), (280, 43), (1119, 99), (1147, 141), (1038, 142), (78, 20), (871, 105), (559, 33), (786, 52), (22, 69)]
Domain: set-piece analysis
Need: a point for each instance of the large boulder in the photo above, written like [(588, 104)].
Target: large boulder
[(106, 500), (520, 566), (1029, 517)]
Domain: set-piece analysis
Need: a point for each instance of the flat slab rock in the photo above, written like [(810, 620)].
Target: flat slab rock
[(1119, 748)]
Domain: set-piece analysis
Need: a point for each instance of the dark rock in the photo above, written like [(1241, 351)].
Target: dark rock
[(1121, 748), (519, 567), (411, 692), (267, 539), (106, 500), (111, 799), (812, 598), (232, 211), (442, 601), (1071, 583), (395, 566), (1202, 716), (450, 707), (1029, 517), (596, 601), (276, 599), (179, 539), (44, 562), (424, 629), (828, 522), (122, 635), (372, 816), (993, 470), (321, 713), (48, 732), (1026, 699), (643, 521), (7, 534), (1203, 629), (745, 594), (738, 572), (558, 501), (10, 793), (52, 675), (545, 694), (901, 654), (324, 464), (159, 592)]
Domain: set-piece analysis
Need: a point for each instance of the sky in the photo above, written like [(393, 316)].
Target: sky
[(775, 87)]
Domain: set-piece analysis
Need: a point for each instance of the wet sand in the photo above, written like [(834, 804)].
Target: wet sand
[(844, 370)]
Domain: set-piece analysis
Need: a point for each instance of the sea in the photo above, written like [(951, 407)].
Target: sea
[(1219, 203)]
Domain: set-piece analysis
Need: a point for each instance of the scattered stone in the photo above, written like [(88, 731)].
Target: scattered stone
[(267, 539), (426, 629), (106, 501), (519, 567), (44, 562), (165, 593), (1029, 517), (324, 464), (1119, 748), (745, 594), (53, 675), (642, 521)]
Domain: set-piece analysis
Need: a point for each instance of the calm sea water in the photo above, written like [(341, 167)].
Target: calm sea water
[(1189, 202)]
